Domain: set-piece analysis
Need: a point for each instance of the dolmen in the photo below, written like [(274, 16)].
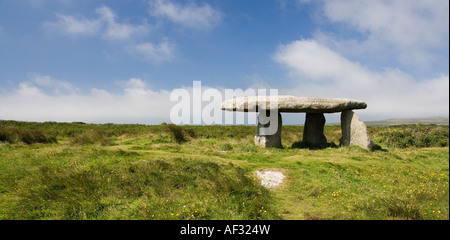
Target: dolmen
[(354, 131)]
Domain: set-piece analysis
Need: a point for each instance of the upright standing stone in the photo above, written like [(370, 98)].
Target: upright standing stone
[(313, 131), (264, 140), (354, 131)]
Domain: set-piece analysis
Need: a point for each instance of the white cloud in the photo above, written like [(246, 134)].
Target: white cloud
[(75, 26), (318, 62), (115, 30), (411, 31), (189, 16), (132, 83), (55, 85), (391, 93), (135, 104), (414, 33), (106, 25), (163, 51)]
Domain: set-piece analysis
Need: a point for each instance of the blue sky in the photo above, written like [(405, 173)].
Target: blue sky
[(118, 61)]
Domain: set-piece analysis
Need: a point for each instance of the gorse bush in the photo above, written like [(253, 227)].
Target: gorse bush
[(6, 135), (15, 135), (413, 136), (36, 136), (176, 132)]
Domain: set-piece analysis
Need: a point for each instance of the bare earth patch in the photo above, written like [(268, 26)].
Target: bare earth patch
[(270, 179)]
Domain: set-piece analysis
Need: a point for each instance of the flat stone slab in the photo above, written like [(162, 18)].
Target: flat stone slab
[(288, 103)]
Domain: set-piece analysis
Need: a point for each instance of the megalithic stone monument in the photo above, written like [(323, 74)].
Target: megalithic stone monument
[(354, 131)]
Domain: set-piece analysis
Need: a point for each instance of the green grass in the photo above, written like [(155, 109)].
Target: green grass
[(113, 171)]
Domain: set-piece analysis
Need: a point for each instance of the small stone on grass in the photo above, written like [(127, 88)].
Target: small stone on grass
[(270, 179)]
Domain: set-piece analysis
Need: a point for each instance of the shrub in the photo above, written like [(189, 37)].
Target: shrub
[(190, 133), (14, 135), (36, 136), (6, 135), (176, 132)]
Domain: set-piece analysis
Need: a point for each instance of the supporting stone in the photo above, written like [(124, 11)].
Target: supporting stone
[(262, 138), (354, 131), (313, 131)]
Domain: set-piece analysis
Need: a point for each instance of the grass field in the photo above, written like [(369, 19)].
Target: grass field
[(84, 171)]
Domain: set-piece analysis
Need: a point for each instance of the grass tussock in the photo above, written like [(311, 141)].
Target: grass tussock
[(401, 209), (226, 147), (92, 137)]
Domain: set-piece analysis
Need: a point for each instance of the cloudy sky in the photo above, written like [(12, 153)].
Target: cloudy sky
[(118, 61)]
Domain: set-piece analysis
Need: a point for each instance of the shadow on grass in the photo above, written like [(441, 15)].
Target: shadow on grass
[(307, 145), (377, 147)]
